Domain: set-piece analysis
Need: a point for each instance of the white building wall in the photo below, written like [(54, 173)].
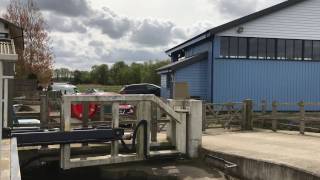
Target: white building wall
[(300, 21)]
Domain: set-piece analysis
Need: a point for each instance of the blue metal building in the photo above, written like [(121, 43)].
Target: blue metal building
[(273, 54)]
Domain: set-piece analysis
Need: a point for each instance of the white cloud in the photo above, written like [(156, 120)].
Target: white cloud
[(89, 32)]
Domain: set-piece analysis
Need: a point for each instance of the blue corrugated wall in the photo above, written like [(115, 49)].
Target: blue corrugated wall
[(197, 78), (283, 81)]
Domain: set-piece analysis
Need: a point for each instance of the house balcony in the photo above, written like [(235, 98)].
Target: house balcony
[(7, 50)]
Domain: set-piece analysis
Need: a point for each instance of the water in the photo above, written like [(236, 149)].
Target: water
[(170, 170)]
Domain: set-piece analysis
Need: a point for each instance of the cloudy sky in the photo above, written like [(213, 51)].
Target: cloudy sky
[(88, 32)]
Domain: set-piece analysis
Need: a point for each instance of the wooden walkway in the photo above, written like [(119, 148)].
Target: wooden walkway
[(9, 163)]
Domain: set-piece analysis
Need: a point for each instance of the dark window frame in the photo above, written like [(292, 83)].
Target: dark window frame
[(295, 55)]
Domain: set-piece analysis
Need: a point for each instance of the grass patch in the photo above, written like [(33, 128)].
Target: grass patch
[(105, 88)]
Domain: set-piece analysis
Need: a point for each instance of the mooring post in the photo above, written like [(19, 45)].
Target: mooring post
[(302, 116), (247, 123), (44, 111), (274, 113)]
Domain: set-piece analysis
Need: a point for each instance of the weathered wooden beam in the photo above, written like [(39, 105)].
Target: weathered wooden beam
[(115, 124), (247, 123)]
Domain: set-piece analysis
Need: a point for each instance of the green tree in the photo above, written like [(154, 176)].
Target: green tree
[(100, 74)]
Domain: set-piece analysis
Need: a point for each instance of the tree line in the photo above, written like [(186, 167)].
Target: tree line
[(119, 73)]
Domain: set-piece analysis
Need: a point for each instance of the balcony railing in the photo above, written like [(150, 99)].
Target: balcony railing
[(7, 47)]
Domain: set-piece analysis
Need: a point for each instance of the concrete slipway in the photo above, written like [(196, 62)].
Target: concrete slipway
[(264, 154)]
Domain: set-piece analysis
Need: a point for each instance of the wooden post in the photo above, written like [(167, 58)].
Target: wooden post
[(144, 113), (264, 106), (101, 112), (154, 124), (115, 124), (274, 113), (263, 111), (65, 150), (302, 116), (85, 118), (44, 111), (247, 123), (85, 114)]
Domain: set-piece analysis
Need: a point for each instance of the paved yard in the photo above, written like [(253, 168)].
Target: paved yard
[(284, 147)]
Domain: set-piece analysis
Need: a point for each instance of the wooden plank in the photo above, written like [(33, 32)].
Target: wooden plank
[(5, 160)]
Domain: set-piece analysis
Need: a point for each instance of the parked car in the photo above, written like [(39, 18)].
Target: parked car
[(141, 89), (65, 88)]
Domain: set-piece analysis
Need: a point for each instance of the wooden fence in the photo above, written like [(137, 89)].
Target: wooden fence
[(282, 114), (228, 114)]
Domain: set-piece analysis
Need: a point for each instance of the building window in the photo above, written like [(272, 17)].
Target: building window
[(316, 50), (253, 48), (289, 49), (298, 49), (307, 50), (224, 47), (233, 47), (262, 48), (281, 49), (271, 48), (243, 48)]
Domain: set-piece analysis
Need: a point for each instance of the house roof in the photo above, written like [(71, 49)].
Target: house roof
[(184, 62), (16, 33), (237, 22)]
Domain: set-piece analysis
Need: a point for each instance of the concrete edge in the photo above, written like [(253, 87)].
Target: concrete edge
[(255, 169)]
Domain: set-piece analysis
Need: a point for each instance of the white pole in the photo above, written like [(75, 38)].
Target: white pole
[(1, 109), (5, 103)]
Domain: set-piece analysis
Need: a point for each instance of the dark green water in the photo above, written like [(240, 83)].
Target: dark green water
[(137, 171)]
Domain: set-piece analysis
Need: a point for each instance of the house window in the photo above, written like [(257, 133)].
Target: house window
[(243, 48), (271, 48), (224, 47), (233, 47), (298, 49), (307, 50), (281, 49), (253, 48), (316, 50), (262, 48), (4, 35), (169, 81)]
